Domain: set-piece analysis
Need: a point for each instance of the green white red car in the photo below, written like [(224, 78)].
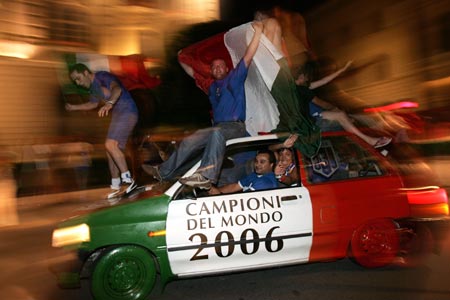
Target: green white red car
[(351, 201)]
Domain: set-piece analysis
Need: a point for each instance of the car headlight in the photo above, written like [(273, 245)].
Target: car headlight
[(71, 235)]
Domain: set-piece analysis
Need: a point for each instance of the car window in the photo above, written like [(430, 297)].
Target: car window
[(238, 163), (341, 158)]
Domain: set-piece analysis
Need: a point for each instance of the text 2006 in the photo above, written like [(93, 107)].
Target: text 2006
[(248, 236)]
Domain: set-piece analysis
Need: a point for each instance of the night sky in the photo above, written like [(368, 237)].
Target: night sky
[(242, 10)]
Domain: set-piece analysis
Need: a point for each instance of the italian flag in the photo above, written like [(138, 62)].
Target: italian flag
[(272, 100), (130, 69)]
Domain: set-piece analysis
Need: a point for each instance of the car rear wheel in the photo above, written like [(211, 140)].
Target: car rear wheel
[(126, 273), (375, 244)]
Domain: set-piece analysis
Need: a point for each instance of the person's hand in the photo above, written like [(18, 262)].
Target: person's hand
[(70, 107), (258, 26), (104, 110), (290, 141), (279, 169)]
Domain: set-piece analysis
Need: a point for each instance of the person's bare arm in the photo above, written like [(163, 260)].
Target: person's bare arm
[(253, 46), (327, 79), (288, 143), (82, 106), (226, 189)]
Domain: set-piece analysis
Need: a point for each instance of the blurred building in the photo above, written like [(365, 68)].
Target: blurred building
[(403, 45), (32, 31), (33, 36)]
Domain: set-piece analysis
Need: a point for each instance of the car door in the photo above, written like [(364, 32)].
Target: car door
[(239, 231), (349, 185)]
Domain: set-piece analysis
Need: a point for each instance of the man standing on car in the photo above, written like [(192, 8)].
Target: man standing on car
[(105, 87), (227, 98)]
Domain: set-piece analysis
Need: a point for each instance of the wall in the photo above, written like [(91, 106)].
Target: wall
[(401, 45)]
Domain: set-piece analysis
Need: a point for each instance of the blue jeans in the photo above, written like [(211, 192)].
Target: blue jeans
[(213, 143)]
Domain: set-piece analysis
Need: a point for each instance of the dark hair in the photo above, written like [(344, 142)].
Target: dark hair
[(308, 69), (272, 158), (79, 68), (284, 148)]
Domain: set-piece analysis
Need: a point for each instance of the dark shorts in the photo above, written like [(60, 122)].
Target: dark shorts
[(121, 127), (315, 110)]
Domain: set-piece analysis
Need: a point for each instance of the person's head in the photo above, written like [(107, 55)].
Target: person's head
[(261, 15), (219, 69), (264, 162), (81, 75), (305, 73), (285, 156)]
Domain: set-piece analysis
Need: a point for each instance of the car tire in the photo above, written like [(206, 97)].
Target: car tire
[(125, 273), (375, 243)]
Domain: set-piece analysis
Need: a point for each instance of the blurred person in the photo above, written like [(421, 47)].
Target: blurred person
[(295, 36), (321, 110), (272, 30), (105, 88), (283, 91), (261, 178), (227, 97), (394, 123)]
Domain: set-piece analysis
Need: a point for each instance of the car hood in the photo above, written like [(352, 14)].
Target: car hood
[(135, 208)]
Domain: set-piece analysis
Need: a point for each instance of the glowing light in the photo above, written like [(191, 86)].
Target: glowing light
[(157, 233), (71, 235), (426, 195), (430, 210), (16, 49), (427, 201), (393, 106)]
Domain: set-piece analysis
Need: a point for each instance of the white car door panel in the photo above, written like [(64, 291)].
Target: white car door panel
[(239, 231)]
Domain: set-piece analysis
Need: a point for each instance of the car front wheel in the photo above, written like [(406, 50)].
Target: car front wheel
[(125, 273)]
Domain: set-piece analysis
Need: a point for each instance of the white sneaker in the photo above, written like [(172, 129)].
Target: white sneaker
[(129, 184)]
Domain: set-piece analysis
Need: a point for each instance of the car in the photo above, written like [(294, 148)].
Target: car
[(350, 200)]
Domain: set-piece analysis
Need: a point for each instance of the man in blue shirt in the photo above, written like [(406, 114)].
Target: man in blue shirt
[(227, 97), (105, 88), (262, 178)]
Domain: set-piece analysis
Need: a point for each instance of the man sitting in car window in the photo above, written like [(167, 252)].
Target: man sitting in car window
[(262, 178)]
